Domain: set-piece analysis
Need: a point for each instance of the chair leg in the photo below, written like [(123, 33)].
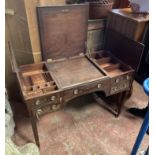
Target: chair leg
[(141, 134), (120, 102), (147, 151)]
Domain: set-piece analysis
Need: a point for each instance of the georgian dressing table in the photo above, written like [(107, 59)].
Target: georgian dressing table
[(68, 70)]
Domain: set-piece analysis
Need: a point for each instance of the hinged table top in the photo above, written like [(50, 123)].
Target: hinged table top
[(63, 30)]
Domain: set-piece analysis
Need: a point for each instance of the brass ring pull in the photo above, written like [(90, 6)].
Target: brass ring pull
[(76, 91), (99, 85), (39, 111)]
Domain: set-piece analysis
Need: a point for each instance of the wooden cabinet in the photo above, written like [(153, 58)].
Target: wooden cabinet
[(127, 23)]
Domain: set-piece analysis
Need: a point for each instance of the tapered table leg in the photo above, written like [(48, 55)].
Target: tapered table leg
[(34, 128), (121, 99)]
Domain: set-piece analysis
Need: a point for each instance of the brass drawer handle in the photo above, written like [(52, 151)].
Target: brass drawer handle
[(37, 102), (128, 77), (76, 91), (99, 85), (53, 98), (39, 111), (55, 106), (117, 80)]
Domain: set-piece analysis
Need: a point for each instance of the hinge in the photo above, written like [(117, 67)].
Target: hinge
[(49, 60), (9, 12)]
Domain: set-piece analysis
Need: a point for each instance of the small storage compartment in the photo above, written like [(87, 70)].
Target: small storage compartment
[(110, 64), (36, 79), (116, 69)]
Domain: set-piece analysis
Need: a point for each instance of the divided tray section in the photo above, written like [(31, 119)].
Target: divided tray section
[(109, 64), (36, 79), (116, 69)]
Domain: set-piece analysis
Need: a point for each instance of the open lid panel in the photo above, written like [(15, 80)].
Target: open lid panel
[(125, 49), (63, 30)]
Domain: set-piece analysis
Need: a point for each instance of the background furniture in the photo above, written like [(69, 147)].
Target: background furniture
[(129, 24), (96, 33), (136, 27)]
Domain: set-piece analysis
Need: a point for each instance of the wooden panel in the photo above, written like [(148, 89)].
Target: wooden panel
[(129, 24), (125, 49), (121, 3), (95, 40), (30, 6), (18, 31), (95, 36), (96, 24), (62, 35)]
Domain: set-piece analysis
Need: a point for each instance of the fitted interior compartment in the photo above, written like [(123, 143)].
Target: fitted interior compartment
[(106, 62), (36, 79), (116, 69), (109, 63)]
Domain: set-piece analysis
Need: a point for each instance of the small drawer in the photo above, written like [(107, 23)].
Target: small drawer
[(53, 98), (85, 89), (47, 108), (120, 87), (123, 78)]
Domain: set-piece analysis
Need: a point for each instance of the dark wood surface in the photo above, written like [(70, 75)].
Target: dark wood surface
[(127, 50), (63, 30)]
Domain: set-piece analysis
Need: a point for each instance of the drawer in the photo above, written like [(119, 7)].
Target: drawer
[(47, 108), (123, 78), (120, 87), (85, 89), (53, 98), (121, 83), (41, 101)]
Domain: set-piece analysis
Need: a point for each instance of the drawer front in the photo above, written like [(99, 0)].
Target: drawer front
[(121, 83), (53, 98), (49, 107), (43, 101), (85, 89)]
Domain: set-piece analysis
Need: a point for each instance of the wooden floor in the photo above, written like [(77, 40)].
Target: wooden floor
[(84, 128)]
